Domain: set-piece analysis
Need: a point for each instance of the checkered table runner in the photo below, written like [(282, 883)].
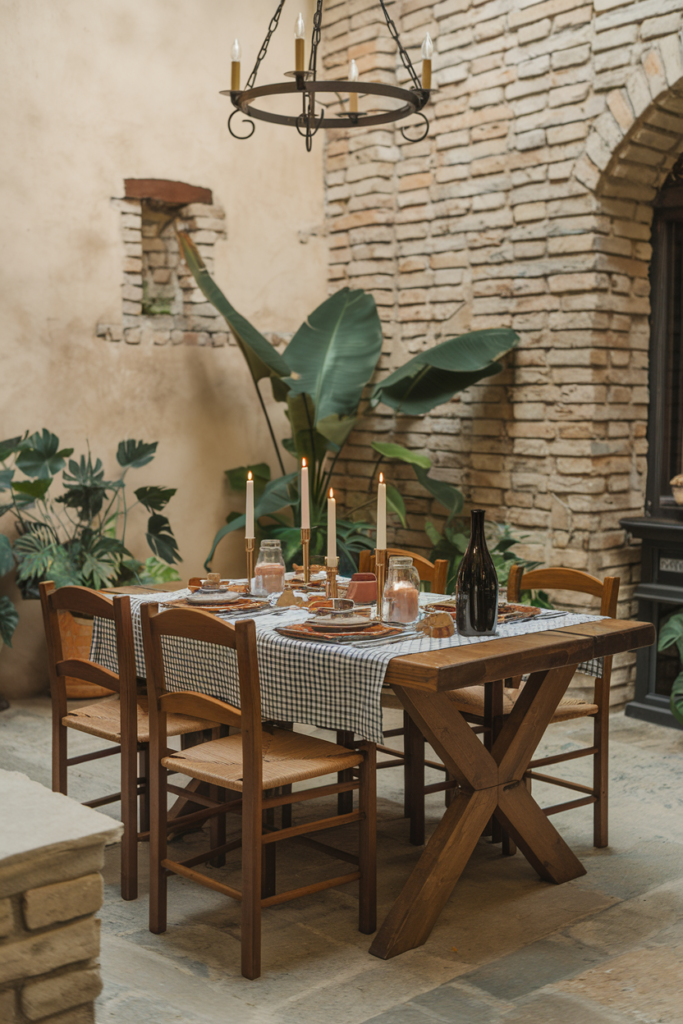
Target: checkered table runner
[(320, 684)]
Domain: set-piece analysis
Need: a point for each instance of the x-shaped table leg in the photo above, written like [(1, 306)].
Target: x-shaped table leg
[(489, 783)]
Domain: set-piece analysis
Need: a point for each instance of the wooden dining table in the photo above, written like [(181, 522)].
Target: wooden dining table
[(490, 782)]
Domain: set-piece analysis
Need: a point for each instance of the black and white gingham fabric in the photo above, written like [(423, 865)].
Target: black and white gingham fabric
[(324, 685)]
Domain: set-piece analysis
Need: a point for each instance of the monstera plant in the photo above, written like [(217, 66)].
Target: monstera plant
[(77, 536), (670, 635), (321, 377)]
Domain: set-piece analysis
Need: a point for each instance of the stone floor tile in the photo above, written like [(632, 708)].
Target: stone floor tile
[(548, 1007), (632, 923), (455, 1005), (532, 967), (644, 983)]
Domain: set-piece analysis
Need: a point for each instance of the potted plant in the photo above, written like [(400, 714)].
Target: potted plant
[(70, 522), (671, 634), (322, 377)]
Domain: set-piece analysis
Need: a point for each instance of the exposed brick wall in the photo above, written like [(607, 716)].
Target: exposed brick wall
[(529, 205)]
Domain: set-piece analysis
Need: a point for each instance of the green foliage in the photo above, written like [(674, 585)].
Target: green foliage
[(670, 635), (78, 537), (9, 620), (322, 375)]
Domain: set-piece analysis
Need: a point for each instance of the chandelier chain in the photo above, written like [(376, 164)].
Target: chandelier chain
[(407, 63), (315, 41), (264, 47)]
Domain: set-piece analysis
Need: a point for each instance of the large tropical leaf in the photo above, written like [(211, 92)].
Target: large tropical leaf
[(262, 358), (32, 488), (40, 456), (9, 620), (435, 375), (396, 504), (237, 478), (134, 454), (6, 479), (6, 556), (447, 495), (161, 540), (308, 443), (154, 498), (276, 495), (86, 487), (397, 451), (334, 353), (9, 446)]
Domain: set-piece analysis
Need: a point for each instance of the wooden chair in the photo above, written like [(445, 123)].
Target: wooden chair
[(254, 762), (435, 573), (122, 718), (487, 711)]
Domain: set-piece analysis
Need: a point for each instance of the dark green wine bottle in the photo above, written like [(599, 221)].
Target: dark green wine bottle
[(476, 588)]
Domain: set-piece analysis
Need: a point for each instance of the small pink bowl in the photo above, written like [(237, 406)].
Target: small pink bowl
[(363, 588)]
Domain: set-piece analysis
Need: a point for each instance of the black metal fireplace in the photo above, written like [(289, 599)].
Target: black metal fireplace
[(660, 592)]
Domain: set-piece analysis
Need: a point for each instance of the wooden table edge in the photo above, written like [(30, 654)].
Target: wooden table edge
[(454, 667)]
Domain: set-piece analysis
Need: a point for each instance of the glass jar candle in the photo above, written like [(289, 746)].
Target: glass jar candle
[(402, 591), (270, 569)]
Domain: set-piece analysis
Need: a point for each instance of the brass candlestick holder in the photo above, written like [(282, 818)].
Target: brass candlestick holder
[(249, 548), (381, 573), (331, 567), (306, 545)]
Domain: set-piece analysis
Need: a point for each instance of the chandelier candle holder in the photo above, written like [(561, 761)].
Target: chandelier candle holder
[(315, 95)]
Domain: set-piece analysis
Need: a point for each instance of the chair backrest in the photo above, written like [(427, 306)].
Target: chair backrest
[(566, 579), (203, 627), (81, 601), (435, 573)]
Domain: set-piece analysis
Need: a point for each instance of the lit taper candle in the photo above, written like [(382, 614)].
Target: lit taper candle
[(427, 51), (305, 500), (299, 43), (236, 57), (249, 515), (331, 529), (381, 514), (353, 96)]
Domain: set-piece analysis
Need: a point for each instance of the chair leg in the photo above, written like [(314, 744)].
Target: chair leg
[(407, 793), (367, 859), (59, 746), (157, 844), (129, 817), (600, 777), (143, 769), (252, 849), (344, 800), (414, 747), (286, 811), (268, 855), (217, 827)]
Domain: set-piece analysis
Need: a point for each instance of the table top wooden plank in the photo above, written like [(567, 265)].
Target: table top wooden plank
[(455, 667)]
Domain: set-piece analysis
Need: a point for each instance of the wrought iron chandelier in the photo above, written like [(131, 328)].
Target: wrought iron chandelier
[(343, 94)]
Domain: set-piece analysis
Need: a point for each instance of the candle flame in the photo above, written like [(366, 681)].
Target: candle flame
[(427, 47), (299, 28), (353, 71), (249, 476), (236, 52), (331, 493), (381, 478), (303, 463)]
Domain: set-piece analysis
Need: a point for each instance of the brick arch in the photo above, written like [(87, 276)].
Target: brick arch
[(635, 142)]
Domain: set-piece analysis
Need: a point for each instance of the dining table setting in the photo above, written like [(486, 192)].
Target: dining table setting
[(326, 660)]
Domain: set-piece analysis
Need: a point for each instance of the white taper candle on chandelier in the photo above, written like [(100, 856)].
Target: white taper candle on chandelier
[(427, 51), (353, 96), (305, 499), (331, 529), (381, 513), (236, 57), (249, 513), (299, 43)]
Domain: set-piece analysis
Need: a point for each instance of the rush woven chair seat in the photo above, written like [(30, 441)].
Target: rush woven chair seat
[(258, 764), (122, 719), (471, 702)]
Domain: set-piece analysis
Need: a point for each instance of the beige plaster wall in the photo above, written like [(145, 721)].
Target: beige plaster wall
[(92, 93)]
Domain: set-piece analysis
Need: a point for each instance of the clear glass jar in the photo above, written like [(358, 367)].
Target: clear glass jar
[(402, 591), (270, 569)]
